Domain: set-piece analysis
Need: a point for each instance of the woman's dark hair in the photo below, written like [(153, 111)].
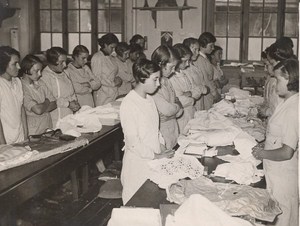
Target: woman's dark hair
[(182, 50), (285, 41), (135, 38), (135, 48), (290, 68), (279, 53), (28, 62), (263, 55), (79, 49), (121, 48), (53, 54), (6, 52), (206, 38), (142, 69), (163, 55), (108, 38), (190, 41)]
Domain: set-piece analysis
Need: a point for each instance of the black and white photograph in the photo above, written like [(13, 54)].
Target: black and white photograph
[(149, 112)]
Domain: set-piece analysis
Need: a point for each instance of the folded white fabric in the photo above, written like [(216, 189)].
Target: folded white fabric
[(238, 93), (198, 210), (244, 143), (10, 155), (167, 171), (135, 217), (225, 107)]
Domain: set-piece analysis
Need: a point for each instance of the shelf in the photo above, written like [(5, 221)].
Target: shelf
[(154, 10)]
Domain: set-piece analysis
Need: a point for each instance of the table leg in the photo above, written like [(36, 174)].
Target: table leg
[(117, 150), (74, 182), (85, 178)]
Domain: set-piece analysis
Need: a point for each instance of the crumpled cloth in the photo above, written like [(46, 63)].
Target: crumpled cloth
[(11, 155), (135, 217), (198, 210), (225, 107), (167, 171), (235, 200), (238, 93)]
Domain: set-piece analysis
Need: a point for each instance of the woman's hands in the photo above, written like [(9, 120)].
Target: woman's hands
[(257, 151), (74, 106)]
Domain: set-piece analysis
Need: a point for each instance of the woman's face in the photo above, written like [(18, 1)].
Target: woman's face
[(13, 66), (81, 59), (124, 56), (35, 72), (61, 63), (185, 62), (134, 56), (152, 83), (209, 48), (109, 49), (218, 55), (281, 85), (141, 42), (195, 50), (169, 68)]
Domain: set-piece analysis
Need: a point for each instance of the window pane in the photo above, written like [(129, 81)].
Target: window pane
[(73, 4), (85, 39), (234, 24), (291, 5), (267, 42), (85, 20), (73, 21), (271, 6), (291, 27), (44, 4), (45, 41), (255, 24), (220, 24), (221, 5), (234, 5), (73, 41), (295, 42), (57, 21), (256, 6), (116, 3), (103, 21), (233, 49), (116, 21), (57, 39), (85, 4), (222, 43), (254, 49), (103, 4), (56, 4), (270, 24), (45, 20)]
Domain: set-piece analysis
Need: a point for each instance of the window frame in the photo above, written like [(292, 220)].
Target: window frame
[(208, 25)]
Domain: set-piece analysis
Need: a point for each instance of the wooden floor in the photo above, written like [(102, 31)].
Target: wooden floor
[(56, 207)]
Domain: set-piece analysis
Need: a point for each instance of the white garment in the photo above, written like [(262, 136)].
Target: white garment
[(140, 122), (11, 100), (282, 176)]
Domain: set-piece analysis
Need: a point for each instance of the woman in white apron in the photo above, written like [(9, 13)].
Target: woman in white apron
[(140, 124), (280, 155), (13, 124)]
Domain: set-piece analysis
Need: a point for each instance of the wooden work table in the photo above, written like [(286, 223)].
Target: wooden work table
[(21, 183), (150, 195)]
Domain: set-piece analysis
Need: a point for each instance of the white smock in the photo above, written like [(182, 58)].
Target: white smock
[(282, 176), (270, 96), (106, 71), (140, 122), (11, 100)]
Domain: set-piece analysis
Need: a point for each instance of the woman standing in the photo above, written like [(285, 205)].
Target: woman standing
[(105, 70), (13, 124), (84, 81), (280, 155), (38, 100), (140, 124), (58, 82)]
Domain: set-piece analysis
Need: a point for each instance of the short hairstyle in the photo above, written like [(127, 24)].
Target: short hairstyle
[(121, 48), (28, 62), (135, 48), (143, 68), (190, 41), (182, 50), (53, 54), (79, 49), (285, 41), (108, 38), (216, 48), (290, 68), (135, 38), (6, 52), (163, 55), (206, 38), (279, 53), (263, 55)]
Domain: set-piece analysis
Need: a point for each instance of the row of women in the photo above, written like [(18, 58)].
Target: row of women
[(167, 87), (43, 95)]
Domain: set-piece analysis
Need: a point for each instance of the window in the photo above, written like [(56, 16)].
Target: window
[(244, 28), (67, 23)]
